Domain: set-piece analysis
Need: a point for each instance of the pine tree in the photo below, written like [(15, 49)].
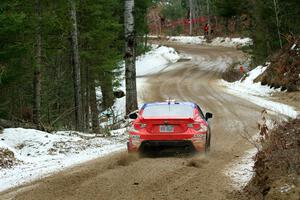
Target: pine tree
[(96, 52), (76, 67), (37, 70)]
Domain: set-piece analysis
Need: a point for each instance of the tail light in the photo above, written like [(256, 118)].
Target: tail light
[(198, 127), (139, 126)]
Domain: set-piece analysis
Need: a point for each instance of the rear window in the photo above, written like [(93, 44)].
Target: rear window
[(165, 110)]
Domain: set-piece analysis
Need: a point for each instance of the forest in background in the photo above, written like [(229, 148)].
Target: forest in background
[(271, 23), (38, 59), (40, 52)]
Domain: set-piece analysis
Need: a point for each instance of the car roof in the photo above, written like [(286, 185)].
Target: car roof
[(169, 103)]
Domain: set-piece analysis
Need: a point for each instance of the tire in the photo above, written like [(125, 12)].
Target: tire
[(207, 142), (128, 148)]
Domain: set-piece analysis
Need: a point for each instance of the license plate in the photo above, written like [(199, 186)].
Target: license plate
[(166, 128)]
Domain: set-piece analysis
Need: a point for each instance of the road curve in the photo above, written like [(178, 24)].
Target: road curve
[(120, 176)]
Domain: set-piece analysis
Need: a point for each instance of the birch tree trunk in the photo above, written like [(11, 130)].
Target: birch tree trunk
[(276, 10), (37, 70), (208, 17), (191, 24), (130, 71), (76, 68)]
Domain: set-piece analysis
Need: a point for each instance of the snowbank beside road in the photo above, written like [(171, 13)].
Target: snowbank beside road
[(218, 41), (156, 60), (241, 171), (231, 42), (257, 93), (188, 39), (40, 153), (248, 85)]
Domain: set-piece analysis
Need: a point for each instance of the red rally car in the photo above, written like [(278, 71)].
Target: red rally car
[(170, 124)]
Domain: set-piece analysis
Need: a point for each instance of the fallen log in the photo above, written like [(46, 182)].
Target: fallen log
[(16, 124), (4, 123)]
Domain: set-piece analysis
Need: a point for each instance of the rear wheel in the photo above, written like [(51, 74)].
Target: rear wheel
[(207, 142), (129, 150)]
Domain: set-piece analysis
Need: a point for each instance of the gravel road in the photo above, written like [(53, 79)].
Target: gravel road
[(120, 176)]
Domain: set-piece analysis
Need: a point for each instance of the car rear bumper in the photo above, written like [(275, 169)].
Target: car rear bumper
[(188, 144), (185, 145)]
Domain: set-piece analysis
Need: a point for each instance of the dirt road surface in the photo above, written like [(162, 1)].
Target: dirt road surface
[(120, 176)]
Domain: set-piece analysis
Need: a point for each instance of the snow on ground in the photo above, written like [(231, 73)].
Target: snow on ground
[(188, 39), (154, 61), (218, 41), (248, 85), (40, 153), (241, 171), (257, 93), (231, 42)]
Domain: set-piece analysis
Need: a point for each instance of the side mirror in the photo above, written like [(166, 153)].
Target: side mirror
[(208, 115), (133, 115)]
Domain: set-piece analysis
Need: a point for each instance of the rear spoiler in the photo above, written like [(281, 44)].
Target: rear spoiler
[(161, 120)]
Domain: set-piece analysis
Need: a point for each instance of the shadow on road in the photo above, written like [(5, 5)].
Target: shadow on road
[(165, 151)]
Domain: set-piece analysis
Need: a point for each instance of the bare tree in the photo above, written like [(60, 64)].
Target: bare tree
[(76, 68), (195, 12), (37, 69), (130, 71), (197, 8), (155, 19)]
